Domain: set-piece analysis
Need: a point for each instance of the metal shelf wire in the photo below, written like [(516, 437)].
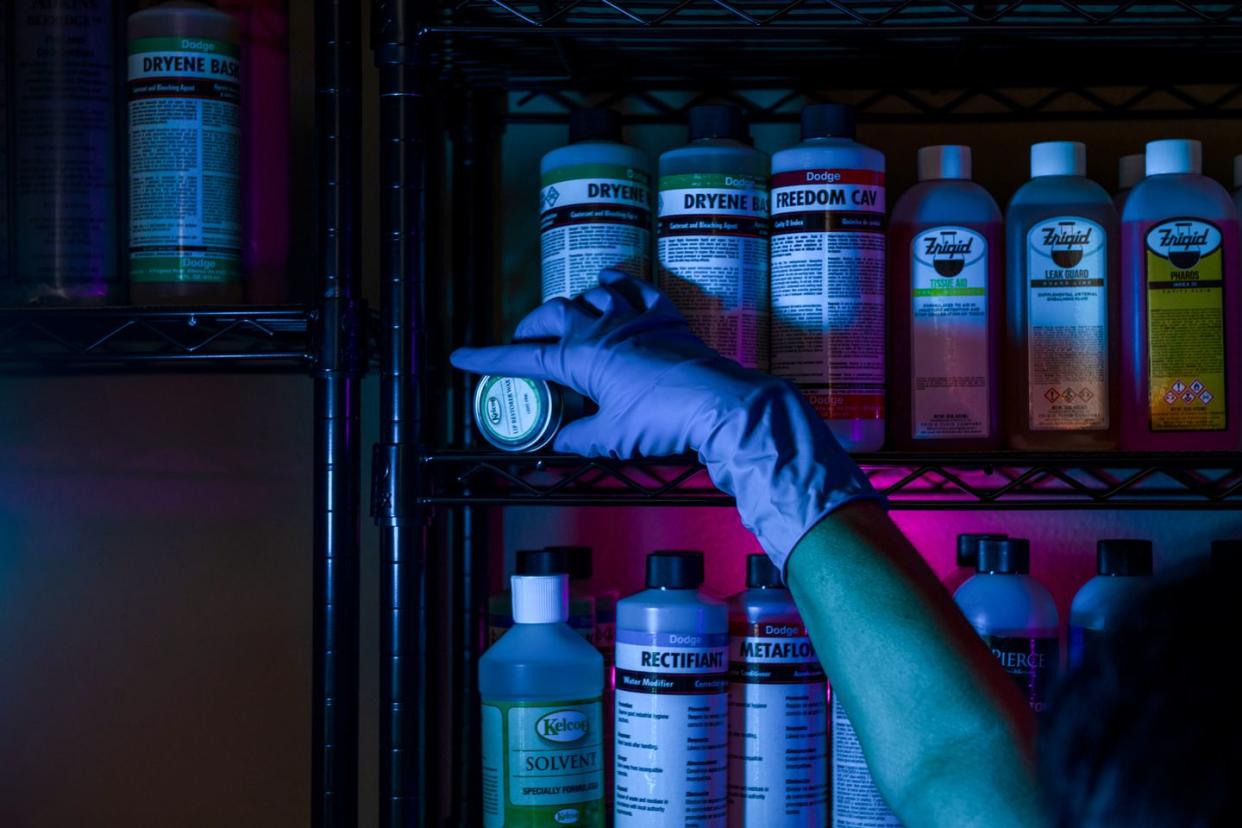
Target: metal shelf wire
[(1000, 480), (95, 339), (830, 44)]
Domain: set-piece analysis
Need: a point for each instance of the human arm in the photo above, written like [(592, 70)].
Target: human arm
[(947, 736), (893, 644)]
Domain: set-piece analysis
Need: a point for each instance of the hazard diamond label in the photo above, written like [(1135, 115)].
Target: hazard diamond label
[(1188, 397), (1052, 395), (1206, 397), (1068, 394), (1196, 386), (1085, 394), (1170, 398), (1179, 387)]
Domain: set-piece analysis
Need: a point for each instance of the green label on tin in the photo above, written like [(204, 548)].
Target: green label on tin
[(511, 408)]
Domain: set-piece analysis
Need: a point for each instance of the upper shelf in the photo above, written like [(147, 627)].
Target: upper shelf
[(996, 480), (95, 339), (832, 43)]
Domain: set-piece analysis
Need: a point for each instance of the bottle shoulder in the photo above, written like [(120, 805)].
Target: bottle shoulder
[(1007, 602), (1160, 197), (946, 202), (1049, 196), (755, 605), (595, 152), (715, 156), (672, 610), (830, 153), (540, 644)]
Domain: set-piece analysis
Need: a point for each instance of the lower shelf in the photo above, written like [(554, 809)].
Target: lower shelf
[(999, 480)]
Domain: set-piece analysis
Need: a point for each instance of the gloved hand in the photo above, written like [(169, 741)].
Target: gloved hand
[(661, 392)]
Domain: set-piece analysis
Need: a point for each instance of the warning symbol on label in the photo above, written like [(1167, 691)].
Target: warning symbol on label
[(1052, 395), (1206, 397), (1068, 394), (1188, 397), (1179, 387), (551, 196), (1170, 397), (1196, 386), (1085, 394)]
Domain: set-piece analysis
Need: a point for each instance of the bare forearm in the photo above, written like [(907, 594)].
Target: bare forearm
[(946, 733)]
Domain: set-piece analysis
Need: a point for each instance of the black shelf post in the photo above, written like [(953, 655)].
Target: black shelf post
[(340, 364), (396, 474)]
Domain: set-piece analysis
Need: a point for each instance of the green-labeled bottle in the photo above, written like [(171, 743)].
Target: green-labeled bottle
[(541, 685)]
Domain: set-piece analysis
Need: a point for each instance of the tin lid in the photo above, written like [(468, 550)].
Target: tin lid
[(517, 414)]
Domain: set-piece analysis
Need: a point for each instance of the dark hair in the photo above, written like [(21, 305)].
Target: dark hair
[(1146, 731)]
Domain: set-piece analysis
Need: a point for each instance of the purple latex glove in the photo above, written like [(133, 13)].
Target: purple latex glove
[(662, 392)]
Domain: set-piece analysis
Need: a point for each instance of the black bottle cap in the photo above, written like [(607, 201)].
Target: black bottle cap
[(578, 559), (541, 562), (718, 121), (761, 573), (1004, 556), (968, 547), (1123, 557), (594, 124), (675, 569), (828, 121)]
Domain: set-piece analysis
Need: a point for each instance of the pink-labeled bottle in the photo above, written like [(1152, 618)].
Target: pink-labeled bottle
[(1181, 308), (947, 308)]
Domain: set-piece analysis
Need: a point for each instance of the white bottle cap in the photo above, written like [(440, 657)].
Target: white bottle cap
[(540, 599), (1130, 170), (1175, 155), (945, 161), (1058, 158), (1237, 171)]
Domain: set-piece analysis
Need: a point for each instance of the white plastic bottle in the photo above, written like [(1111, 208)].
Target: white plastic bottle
[(672, 713), (541, 685), (1015, 615), (713, 234), (828, 288), (595, 206), (185, 233), (778, 718), (1124, 568), (1062, 245), (1131, 169), (947, 315)]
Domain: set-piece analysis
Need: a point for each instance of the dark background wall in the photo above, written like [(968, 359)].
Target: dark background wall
[(155, 546)]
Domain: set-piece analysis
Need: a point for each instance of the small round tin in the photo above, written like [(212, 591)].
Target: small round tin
[(516, 414)]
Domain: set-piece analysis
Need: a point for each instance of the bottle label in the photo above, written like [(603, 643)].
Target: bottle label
[(184, 177), (713, 243), (672, 729), (856, 803), (1186, 326), (543, 763), (778, 727), (593, 217), (1033, 663), (63, 159), (1067, 325), (949, 334), (828, 289)]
